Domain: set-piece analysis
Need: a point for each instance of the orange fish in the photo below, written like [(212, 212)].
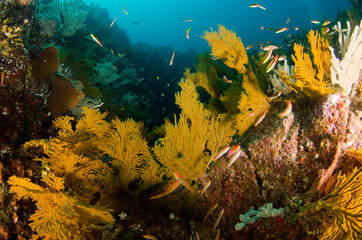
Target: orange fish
[(167, 189), (227, 80), (150, 237), (2, 78), (184, 182), (260, 118), (221, 153), (211, 209), (233, 158), (233, 150), (203, 190)]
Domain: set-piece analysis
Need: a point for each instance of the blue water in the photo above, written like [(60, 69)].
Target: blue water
[(161, 22)]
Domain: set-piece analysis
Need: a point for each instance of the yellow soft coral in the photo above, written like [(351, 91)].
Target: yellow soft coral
[(344, 204), (225, 45), (252, 105), (191, 142), (130, 155), (60, 215), (313, 77)]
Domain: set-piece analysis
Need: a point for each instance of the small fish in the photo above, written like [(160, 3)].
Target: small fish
[(203, 190), (262, 27), (188, 20), (326, 22), (260, 118), (113, 21), (282, 58), (272, 63), (268, 54), (283, 29), (124, 10), (150, 237), (211, 209), (120, 55), (260, 44), (296, 28), (251, 114), (115, 67), (227, 80), (250, 46), (233, 158), (233, 150), (96, 40), (286, 111), (158, 78), (267, 48), (288, 20), (2, 78), (184, 182), (271, 29), (276, 95), (112, 52), (173, 55), (221, 153), (218, 220), (256, 5), (187, 33), (315, 22), (217, 234), (165, 190), (325, 30), (197, 236)]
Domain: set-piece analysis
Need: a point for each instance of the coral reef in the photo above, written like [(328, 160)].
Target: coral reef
[(95, 175)]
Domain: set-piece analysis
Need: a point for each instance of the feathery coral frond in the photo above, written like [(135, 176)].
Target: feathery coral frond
[(345, 205), (129, 151), (201, 133), (313, 78), (225, 45), (252, 103), (60, 216)]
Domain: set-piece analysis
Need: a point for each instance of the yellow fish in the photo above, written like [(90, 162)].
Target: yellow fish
[(96, 40)]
